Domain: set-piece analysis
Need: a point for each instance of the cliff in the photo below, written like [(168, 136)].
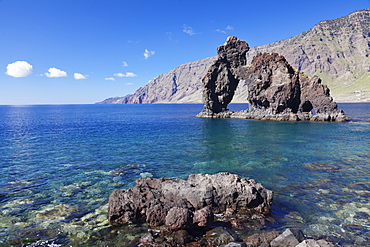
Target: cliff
[(336, 50), (180, 85)]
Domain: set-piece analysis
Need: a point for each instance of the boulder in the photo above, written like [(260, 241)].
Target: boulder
[(289, 238), (186, 204)]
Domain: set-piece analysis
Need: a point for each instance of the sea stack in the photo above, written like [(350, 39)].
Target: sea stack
[(223, 77), (276, 91)]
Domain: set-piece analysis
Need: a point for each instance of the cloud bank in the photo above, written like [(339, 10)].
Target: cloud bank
[(19, 69), (54, 73), (148, 53), (79, 76)]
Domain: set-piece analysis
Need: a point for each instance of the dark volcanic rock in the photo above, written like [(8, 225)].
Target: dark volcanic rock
[(276, 91), (185, 204), (222, 78), (272, 84)]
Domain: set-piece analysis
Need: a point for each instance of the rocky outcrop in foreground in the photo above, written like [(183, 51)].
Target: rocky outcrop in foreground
[(187, 204), (204, 210), (276, 91)]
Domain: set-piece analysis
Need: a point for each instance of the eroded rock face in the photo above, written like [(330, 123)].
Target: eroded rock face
[(276, 89), (222, 78), (272, 84), (186, 204)]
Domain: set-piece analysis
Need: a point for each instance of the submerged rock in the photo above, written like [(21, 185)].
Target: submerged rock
[(324, 167), (220, 236), (57, 213), (235, 244), (258, 239), (186, 204), (315, 243), (276, 91), (128, 170)]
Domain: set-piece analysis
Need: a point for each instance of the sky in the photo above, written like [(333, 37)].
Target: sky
[(84, 51)]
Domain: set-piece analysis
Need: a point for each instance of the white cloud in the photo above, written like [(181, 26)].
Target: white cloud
[(188, 30), (54, 72), (110, 79), (148, 53), (19, 69), (124, 64), (220, 31), (129, 84), (169, 35), (79, 76), (128, 74), (228, 28)]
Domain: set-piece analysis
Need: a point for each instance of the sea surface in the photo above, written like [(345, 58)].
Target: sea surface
[(59, 164)]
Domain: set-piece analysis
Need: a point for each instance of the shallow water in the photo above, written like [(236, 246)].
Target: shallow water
[(60, 163)]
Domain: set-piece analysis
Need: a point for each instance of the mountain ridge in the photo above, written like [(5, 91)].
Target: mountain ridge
[(337, 51)]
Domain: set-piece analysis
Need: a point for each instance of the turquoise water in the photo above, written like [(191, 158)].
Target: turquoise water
[(60, 163)]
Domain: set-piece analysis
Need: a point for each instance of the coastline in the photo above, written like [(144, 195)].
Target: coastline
[(237, 101)]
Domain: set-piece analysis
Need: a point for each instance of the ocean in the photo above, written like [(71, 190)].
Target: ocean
[(59, 164)]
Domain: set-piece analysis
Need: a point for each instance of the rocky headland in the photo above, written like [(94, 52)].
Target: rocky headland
[(276, 91)]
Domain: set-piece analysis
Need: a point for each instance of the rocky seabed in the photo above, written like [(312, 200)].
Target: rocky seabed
[(62, 224)]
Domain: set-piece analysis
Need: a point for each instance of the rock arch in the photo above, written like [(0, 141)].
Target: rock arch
[(276, 91)]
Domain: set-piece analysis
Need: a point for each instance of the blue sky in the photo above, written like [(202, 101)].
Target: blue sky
[(83, 51)]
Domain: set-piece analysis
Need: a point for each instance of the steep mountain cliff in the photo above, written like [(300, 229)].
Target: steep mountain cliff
[(180, 85), (338, 51)]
